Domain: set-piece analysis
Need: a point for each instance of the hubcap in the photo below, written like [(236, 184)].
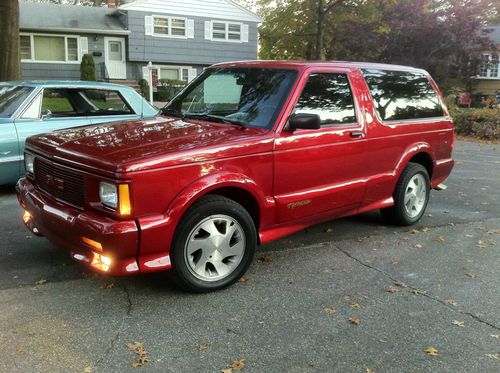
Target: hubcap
[(415, 195), (215, 247)]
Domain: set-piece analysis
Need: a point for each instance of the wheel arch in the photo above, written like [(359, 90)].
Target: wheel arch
[(420, 153)]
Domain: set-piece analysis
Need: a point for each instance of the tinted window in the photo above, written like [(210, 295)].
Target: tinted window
[(245, 95), (402, 95), (328, 95), (11, 97)]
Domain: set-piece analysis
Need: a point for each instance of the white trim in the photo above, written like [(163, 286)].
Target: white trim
[(189, 69), (169, 27), (124, 56), (82, 31), (227, 23), (65, 37), (489, 70)]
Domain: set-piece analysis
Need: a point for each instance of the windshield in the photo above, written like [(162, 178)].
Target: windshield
[(246, 96), (11, 97)]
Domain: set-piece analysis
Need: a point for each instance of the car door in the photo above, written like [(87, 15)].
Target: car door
[(321, 171), (9, 152), (52, 109)]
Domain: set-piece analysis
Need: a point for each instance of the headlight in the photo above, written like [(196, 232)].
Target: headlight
[(29, 161), (108, 194)]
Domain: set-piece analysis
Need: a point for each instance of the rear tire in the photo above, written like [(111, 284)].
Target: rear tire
[(410, 196), (213, 246)]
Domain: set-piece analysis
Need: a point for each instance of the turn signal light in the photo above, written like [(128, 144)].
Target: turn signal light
[(26, 217), (125, 208), (91, 243), (101, 262)]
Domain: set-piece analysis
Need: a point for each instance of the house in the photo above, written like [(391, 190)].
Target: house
[(179, 37), (487, 82)]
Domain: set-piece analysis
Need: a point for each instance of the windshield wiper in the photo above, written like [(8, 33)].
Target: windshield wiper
[(172, 112), (218, 118)]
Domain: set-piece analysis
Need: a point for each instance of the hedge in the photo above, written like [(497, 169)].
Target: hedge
[(480, 123)]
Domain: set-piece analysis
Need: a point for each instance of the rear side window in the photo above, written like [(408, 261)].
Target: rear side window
[(105, 102), (400, 95), (329, 96)]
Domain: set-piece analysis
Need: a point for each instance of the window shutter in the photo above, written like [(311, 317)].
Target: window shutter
[(244, 33), (84, 46), (148, 23), (192, 73), (190, 28), (208, 30)]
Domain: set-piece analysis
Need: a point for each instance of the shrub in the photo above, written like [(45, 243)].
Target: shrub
[(87, 68), (481, 123), (144, 86)]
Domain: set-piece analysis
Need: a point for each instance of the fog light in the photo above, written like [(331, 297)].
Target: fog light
[(26, 217), (101, 262), (94, 244)]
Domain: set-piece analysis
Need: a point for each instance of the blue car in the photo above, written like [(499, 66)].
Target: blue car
[(30, 108)]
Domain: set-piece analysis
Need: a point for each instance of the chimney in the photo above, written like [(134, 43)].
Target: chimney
[(111, 3)]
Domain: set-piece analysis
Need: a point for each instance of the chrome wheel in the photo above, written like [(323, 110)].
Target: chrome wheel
[(215, 248), (415, 195)]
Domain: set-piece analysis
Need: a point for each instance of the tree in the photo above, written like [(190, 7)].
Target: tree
[(10, 66), (323, 9)]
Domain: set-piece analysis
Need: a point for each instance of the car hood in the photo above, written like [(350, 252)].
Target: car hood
[(136, 145)]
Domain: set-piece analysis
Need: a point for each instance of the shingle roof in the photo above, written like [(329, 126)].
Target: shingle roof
[(54, 17)]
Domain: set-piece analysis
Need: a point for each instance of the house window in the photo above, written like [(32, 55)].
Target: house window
[(49, 48), (168, 26), (226, 31), (490, 67)]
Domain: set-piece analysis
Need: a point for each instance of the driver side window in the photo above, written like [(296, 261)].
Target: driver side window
[(328, 95)]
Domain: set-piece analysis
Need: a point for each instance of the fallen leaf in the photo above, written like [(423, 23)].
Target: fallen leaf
[(368, 370), (472, 276), (425, 229), (238, 364), (414, 231), (87, 370), (450, 302), (138, 349), (243, 280), (393, 289), (228, 370), (356, 305), (481, 244), (395, 263), (330, 310), (418, 246), (496, 231), (354, 320), (459, 323), (265, 259), (400, 284), (41, 282), (19, 350), (469, 235), (493, 356), (202, 346), (417, 291), (111, 285), (440, 239), (432, 351), (497, 336)]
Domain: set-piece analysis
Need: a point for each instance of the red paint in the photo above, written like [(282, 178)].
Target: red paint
[(294, 179)]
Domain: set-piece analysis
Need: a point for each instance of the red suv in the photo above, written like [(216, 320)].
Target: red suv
[(247, 153)]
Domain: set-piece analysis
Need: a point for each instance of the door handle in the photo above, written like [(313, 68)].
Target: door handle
[(357, 134)]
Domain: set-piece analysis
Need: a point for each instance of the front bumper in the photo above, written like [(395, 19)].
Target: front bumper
[(72, 230)]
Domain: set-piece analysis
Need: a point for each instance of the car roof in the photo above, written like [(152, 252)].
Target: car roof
[(305, 64), (65, 84)]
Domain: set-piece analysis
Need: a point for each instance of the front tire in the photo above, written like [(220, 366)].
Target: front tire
[(214, 244), (410, 196)]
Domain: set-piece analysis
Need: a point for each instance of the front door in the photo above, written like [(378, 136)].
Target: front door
[(322, 171), (115, 58)]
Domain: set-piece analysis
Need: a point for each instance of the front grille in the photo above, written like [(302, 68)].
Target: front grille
[(60, 182)]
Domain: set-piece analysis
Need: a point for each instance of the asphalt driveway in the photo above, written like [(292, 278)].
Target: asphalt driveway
[(352, 295)]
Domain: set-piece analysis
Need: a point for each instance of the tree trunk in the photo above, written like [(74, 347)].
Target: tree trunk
[(10, 64), (320, 32)]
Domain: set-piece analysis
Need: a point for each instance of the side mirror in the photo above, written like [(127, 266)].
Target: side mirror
[(304, 121), (46, 114)]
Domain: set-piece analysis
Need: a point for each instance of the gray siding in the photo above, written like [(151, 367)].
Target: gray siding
[(197, 51), (134, 69)]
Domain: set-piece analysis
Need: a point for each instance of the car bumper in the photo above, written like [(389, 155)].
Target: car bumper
[(91, 239)]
